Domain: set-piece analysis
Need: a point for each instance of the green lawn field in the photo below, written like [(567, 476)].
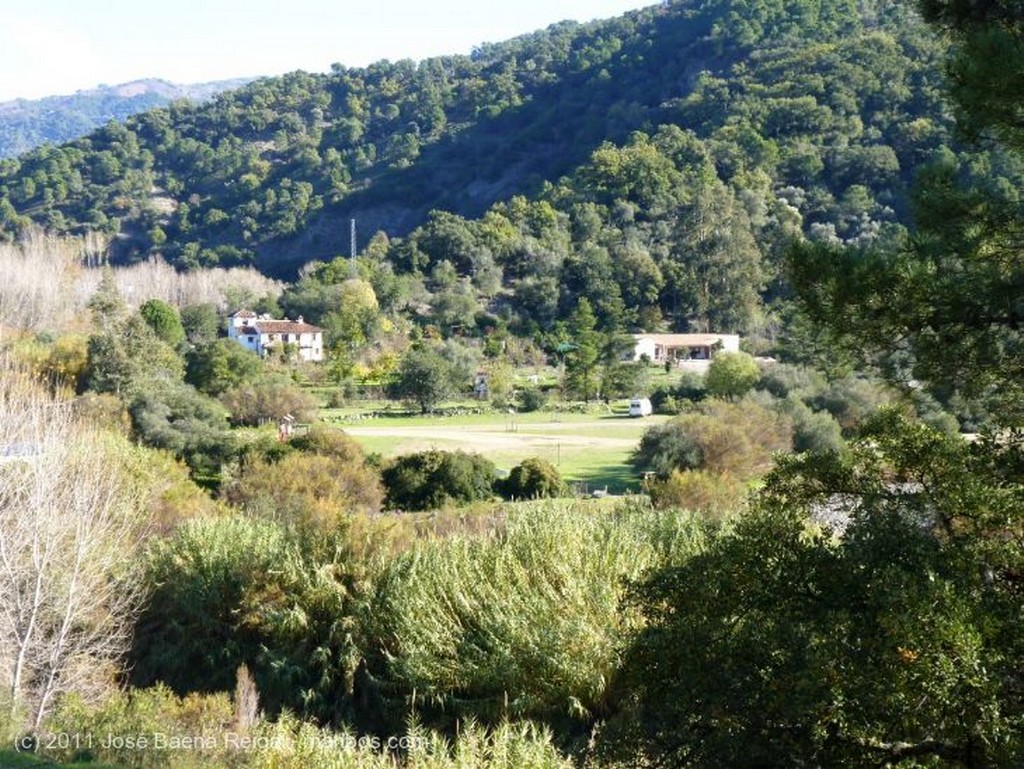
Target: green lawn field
[(591, 450)]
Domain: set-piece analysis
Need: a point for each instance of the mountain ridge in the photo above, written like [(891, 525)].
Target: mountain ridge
[(27, 123)]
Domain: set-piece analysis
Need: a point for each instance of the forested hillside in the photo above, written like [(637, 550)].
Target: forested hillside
[(27, 123), (654, 162)]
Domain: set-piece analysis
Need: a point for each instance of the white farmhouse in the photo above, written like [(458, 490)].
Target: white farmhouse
[(262, 334), (688, 351)]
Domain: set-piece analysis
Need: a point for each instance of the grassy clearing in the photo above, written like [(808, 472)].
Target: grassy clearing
[(592, 450)]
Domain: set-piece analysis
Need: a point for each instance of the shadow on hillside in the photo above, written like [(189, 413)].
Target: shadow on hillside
[(552, 132)]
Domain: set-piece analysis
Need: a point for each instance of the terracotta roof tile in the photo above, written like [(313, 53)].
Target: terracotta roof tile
[(285, 327)]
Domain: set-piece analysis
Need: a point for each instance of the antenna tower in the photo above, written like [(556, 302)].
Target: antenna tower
[(352, 248)]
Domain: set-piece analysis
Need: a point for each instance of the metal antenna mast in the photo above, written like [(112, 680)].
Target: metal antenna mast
[(352, 246)]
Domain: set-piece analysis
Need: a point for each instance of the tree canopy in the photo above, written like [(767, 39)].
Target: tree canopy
[(656, 163)]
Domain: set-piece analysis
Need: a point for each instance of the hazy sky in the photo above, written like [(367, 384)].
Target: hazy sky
[(50, 47)]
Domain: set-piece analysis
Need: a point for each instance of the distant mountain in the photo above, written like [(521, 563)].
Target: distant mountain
[(27, 123)]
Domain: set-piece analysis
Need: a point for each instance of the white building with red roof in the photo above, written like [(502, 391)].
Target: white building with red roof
[(691, 352), (264, 335)]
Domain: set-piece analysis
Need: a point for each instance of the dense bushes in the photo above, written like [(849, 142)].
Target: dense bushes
[(715, 495), (233, 590), (519, 621), (323, 480), (169, 414), (533, 478), (735, 438), (432, 479), (524, 623), (110, 733), (532, 399), (267, 400), (193, 735), (307, 489), (194, 730)]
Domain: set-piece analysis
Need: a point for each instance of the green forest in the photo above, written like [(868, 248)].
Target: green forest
[(580, 155), (210, 558)]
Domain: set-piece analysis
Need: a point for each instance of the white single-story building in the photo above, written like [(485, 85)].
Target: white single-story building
[(262, 334), (685, 350)]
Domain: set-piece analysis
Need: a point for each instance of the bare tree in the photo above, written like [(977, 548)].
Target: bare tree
[(46, 281), (155, 279), (37, 279), (69, 525)]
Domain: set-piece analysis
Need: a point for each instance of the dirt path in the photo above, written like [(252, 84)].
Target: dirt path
[(484, 438)]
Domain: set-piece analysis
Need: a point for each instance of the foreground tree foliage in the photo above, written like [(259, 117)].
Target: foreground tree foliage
[(893, 642)]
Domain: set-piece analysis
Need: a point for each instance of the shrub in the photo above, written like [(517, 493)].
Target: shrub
[(432, 479), (673, 400), (144, 713), (175, 416), (533, 478), (103, 410), (736, 438), (784, 379), (731, 375), (815, 430), (692, 387), (67, 362), (321, 483), (268, 401), (669, 447), (851, 401), (532, 399), (714, 494), (292, 744)]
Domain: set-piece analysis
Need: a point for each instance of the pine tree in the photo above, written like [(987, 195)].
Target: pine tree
[(581, 364)]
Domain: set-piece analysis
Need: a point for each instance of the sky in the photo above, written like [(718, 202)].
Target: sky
[(56, 47)]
